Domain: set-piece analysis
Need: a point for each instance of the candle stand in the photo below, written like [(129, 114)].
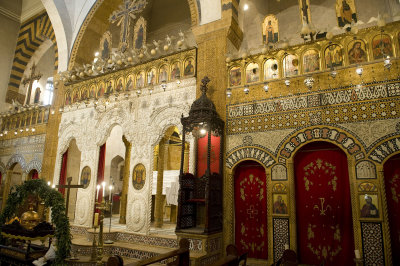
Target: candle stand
[(101, 206)]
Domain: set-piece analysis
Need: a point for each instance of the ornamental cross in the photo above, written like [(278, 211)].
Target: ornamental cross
[(323, 209), (252, 211), (68, 187), (123, 16), (34, 76)]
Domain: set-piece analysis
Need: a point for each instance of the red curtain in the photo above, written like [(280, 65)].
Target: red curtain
[(202, 155), (100, 171), (392, 185), (323, 205), (35, 174), (251, 234), (63, 174)]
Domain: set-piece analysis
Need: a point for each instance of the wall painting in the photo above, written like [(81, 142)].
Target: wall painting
[(235, 76), (290, 65), (270, 30), (139, 33), (139, 176), (357, 52), (311, 61), (382, 46), (120, 84), (271, 69), (333, 56), (101, 90), (345, 12), (163, 74), (188, 68), (85, 176), (105, 45), (176, 71), (280, 203), (140, 79), (92, 91), (151, 77), (369, 206), (130, 82), (252, 73)]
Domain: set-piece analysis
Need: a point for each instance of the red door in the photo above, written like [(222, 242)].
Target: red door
[(251, 234), (392, 186), (323, 206)]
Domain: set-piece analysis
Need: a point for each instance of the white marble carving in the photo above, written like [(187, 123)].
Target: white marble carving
[(365, 170), (278, 172)]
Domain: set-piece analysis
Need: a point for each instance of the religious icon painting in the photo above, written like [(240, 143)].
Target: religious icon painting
[(310, 61), (175, 71), (85, 176), (140, 79), (84, 93), (120, 84), (345, 12), (382, 46), (105, 45), (333, 56), (92, 91), (369, 207), (271, 69), (357, 52), (252, 73), (151, 77), (163, 74), (235, 76), (110, 84), (270, 30), (280, 203), (188, 69), (139, 33), (305, 12), (290, 65), (139, 176), (75, 95), (101, 90), (67, 98), (130, 82)]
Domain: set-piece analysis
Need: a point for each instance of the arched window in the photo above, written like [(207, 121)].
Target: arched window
[(49, 92)]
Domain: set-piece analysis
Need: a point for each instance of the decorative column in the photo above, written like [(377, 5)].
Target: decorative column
[(6, 191), (186, 159), (158, 209), (125, 183)]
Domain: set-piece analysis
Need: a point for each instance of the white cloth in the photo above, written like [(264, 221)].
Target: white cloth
[(50, 255), (172, 195)]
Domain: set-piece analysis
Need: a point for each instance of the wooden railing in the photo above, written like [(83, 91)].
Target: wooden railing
[(179, 257), (24, 120), (232, 258)]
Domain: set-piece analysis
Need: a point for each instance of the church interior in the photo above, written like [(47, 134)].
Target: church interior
[(259, 132)]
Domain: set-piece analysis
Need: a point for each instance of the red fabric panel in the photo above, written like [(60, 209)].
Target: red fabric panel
[(63, 173), (251, 234), (100, 171), (35, 174), (323, 205), (202, 155), (392, 185)]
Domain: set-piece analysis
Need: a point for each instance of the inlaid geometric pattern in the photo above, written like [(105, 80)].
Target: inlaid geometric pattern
[(384, 150), (372, 240), (343, 105), (31, 35), (249, 152), (281, 236)]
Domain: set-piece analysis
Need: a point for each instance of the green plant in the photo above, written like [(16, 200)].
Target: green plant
[(52, 199)]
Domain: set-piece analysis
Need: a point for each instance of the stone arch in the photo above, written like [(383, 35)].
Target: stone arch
[(34, 164), (343, 139), (194, 16), (258, 154), (385, 149), (16, 158), (31, 35)]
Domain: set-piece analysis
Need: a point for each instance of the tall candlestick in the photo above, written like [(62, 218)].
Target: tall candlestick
[(97, 194), (104, 189), (96, 219), (109, 195)]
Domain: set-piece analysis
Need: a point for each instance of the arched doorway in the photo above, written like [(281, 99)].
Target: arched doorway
[(165, 174), (392, 187), (323, 205), (117, 174), (12, 179), (251, 233), (33, 174)]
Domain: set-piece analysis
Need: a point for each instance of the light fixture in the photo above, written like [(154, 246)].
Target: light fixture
[(309, 82), (245, 7), (287, 82), (53, 186), (15, 132), (151, 90), (228, 92), (203, 131), (33, 129), (1, 134), (5, 132), (48, 183), (266, 86), (359, 71), (333, 73), (21, 130), (138, 92), (164, 85), (52, 111), (386, 63), (27, 129), (246, 89)]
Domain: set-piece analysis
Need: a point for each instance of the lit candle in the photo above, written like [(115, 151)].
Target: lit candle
[(104, 189), (49, 183), (53, 186), (357, 253), (96, 219), (109, 195), (97, 195)]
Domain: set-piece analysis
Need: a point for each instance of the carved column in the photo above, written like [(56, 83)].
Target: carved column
[(186, 159), (158, 209), (125, 183)]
